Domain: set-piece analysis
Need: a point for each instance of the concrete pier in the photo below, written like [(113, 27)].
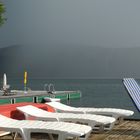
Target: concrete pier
[(16, 96)]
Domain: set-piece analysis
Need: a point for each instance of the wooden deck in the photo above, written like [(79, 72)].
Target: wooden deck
[(127, 130)]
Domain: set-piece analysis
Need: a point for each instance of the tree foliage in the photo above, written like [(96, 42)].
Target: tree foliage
[(2, 10)]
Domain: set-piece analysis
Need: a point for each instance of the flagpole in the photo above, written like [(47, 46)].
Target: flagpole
[(25, 82)]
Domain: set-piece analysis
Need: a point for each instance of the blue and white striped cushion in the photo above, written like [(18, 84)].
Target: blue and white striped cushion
[(133, 89)]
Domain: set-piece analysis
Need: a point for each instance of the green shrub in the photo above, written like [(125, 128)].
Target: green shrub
[(2, 10)]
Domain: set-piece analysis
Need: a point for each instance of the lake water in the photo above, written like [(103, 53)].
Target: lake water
[(95, 92)]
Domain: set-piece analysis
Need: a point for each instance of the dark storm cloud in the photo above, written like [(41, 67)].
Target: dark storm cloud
[(76, 38)]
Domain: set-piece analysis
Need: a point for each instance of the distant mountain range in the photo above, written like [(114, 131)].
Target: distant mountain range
[(69, 61)]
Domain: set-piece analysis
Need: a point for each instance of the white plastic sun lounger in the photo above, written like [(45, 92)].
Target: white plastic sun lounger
[(133, 89), (26, 127), (95, 121), (114, 112)]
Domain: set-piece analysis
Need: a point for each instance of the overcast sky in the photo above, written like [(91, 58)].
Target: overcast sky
[(104, 26), (106, 23)]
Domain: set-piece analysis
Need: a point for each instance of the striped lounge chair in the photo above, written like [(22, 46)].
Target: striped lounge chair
[(133, 89)]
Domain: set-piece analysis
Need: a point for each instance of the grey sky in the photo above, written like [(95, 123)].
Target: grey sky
[(91, 29), (106, 23)]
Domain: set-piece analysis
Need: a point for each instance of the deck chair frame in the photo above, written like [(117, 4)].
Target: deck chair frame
[(97, 122), (26, 127)]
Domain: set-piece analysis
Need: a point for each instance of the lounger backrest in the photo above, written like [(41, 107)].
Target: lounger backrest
[(60, 106), (32, 110)]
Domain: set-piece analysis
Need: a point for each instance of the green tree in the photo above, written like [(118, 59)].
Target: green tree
[(2, 10)]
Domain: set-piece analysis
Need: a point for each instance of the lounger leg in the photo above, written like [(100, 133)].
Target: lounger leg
[(101, 128), (15, 135), (51, 137), (120, 120), (26, 134), (86, 137), (111, 126), (61, 137)]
